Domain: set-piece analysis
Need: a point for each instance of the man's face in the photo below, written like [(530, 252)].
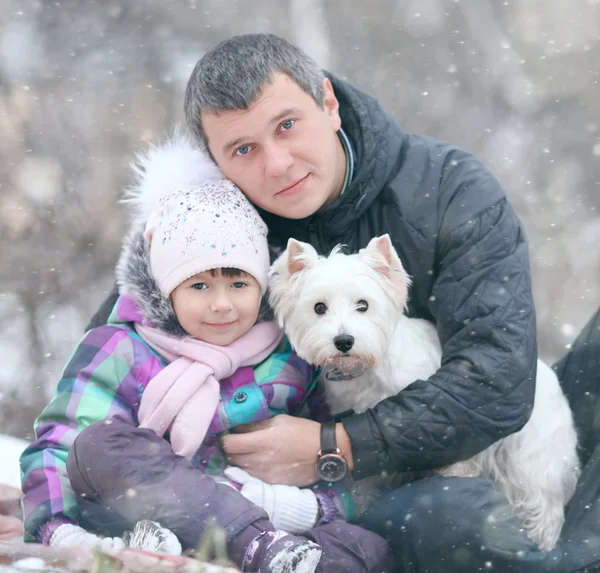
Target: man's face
[(283, 151)]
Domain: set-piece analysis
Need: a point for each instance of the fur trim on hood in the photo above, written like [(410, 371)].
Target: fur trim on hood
[(175, 164), (135, 280)]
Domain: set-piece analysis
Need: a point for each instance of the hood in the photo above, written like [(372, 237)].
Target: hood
[(177, 163), (377, 142), (135, 281)]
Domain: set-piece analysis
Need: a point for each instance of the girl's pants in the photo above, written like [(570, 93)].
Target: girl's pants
[(124, 474)]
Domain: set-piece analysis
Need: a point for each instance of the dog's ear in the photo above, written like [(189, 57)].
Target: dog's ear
[(282, 292), (300, 256), (381, 255)]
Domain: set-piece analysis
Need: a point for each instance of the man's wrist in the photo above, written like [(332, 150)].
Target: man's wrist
[(344, 444)]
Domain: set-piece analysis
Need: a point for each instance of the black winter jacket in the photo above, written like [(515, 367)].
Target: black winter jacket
[(467, 254)]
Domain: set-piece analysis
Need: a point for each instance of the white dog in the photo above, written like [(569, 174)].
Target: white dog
[(347, 312)]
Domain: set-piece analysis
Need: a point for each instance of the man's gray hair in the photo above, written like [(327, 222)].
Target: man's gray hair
[(233, 74)]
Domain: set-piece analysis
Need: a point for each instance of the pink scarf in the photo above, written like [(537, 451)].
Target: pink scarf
[(184, 396)]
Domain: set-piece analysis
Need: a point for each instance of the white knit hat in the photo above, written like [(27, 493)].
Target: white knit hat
[(202, 227)]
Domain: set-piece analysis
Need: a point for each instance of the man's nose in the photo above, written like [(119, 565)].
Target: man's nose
[(278, 160)]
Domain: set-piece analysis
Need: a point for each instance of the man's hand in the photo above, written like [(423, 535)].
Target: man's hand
[(281, 450)]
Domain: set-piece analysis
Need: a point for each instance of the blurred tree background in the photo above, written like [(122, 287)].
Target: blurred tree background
[(85, 84)]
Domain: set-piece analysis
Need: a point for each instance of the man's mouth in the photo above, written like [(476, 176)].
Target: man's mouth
[(297, 186)]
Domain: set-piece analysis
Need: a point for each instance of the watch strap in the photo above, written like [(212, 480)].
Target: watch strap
[(328, 439)]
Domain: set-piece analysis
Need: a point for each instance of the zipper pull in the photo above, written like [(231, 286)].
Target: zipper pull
[(312, 236)]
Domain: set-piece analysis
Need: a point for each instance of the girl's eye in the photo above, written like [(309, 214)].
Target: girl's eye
[(243, 150), (287, 125), (320, 308), (200, 286), (239, 284), (362, 306)]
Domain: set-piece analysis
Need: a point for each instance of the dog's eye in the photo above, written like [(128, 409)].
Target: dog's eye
[(362, 306), (320, 308)]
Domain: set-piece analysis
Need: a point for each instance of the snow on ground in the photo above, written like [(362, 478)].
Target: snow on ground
[(10, 450)]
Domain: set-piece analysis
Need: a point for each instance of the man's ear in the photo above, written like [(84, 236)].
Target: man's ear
[(331, 104)]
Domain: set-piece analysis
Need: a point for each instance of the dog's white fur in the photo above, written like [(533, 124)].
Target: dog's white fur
[(536, 468)]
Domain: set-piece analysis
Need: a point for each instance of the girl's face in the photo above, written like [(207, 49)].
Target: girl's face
[(217, 306)]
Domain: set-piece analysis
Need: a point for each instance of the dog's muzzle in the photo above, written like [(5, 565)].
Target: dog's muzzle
[(344, 368)]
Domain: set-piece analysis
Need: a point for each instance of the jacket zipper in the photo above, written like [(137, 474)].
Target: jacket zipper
[(313, 237)]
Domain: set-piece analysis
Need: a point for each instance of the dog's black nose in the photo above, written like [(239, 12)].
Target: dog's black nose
[(344, 342)]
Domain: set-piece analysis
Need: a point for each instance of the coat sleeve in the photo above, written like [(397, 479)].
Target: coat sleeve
[(91, 389), (483, 306)]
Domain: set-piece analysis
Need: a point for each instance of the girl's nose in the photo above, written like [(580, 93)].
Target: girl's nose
[(221, 303)]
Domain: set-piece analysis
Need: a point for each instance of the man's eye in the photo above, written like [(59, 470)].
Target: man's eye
[(239, 284), (287, 125), (200, 286), (243, 150)]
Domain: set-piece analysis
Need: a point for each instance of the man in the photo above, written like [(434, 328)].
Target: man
[(326, 165)]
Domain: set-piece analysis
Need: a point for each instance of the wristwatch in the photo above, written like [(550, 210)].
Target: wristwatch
[(331, 465)]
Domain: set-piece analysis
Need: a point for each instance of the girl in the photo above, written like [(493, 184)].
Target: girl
[(186, 355)]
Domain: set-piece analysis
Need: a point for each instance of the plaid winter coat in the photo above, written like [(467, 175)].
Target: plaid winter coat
[(104, 380)]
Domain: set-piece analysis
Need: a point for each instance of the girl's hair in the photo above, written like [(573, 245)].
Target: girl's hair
[(227, 272)]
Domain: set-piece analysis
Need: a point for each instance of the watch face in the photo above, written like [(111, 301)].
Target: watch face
[(331, 467)]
